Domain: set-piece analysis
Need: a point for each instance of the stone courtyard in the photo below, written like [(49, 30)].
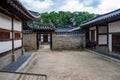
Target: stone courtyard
[(74, 65)]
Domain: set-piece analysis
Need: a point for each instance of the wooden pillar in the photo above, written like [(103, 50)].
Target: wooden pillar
[(97, 35), (37, 40), (13, 55), (51, 41), (22, 39), (107, 38)]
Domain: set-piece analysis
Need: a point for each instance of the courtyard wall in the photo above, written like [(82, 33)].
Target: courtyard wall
[(30, 41), (67, 41)]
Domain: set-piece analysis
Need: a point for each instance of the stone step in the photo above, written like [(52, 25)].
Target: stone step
[(15, 65)]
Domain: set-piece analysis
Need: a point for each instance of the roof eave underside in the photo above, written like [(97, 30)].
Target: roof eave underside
[(16, 8), (103, 20)]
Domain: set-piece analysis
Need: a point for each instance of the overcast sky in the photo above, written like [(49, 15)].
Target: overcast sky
[(92, 6)]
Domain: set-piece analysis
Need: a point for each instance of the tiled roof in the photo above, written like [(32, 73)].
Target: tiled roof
[(67, 29), (108, 17), (41, 26)]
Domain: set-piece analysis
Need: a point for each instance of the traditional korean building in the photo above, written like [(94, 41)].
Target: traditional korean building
[(103, 32), (37, 34), (12, 16)]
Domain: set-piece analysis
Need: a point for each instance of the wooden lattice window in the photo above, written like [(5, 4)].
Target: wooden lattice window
[(4, 35), (17, 35)]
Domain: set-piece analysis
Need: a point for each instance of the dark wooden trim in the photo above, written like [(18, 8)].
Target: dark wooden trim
[(92, 30), (13, 56), (17, 39), (97, 35), (5, 30), (102, 33), (51, 41), (17, 48), (5, 53), (114, 32), (17, 31), (102, 45), (108, 36), (37, 40), (4, 40), (22, 36)]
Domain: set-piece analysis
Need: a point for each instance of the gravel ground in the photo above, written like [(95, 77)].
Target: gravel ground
[(74, 65)]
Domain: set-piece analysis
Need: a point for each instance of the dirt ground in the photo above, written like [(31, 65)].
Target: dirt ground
[(74, 65)]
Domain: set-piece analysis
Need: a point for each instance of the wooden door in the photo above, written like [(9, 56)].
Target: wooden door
[(116, 42), (45, 38)]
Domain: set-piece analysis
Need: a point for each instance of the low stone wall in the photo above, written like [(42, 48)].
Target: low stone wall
[(67, 41), (30, 41)]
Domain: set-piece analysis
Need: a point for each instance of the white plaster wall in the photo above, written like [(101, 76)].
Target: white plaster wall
[(114, 27), (90, 35), (95, 35), (17, 25), (41, 37), (48, 37), (110, 43), (5, 22), (93, 28), (17, 43), (102, 39), (102, 29), (5, 46)]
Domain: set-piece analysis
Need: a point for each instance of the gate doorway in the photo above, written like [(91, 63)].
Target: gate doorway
[(43, 40)]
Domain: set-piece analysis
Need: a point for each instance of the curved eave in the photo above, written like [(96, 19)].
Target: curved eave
[(31, 16), (103, 19), (14, 7)]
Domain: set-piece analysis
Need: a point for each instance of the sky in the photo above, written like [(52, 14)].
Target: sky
[(92, 6)]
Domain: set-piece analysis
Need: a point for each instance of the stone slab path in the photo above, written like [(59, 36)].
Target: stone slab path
[(74, 65)]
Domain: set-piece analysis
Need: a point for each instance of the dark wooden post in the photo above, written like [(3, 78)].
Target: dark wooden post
[(37, 40), (107, 38), (22, 39), (13, 55), (51, 41)]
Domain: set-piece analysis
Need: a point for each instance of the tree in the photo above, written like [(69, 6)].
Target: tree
[(65, 19)]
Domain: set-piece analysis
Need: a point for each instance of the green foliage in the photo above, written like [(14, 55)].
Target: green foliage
[(64, 19)]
